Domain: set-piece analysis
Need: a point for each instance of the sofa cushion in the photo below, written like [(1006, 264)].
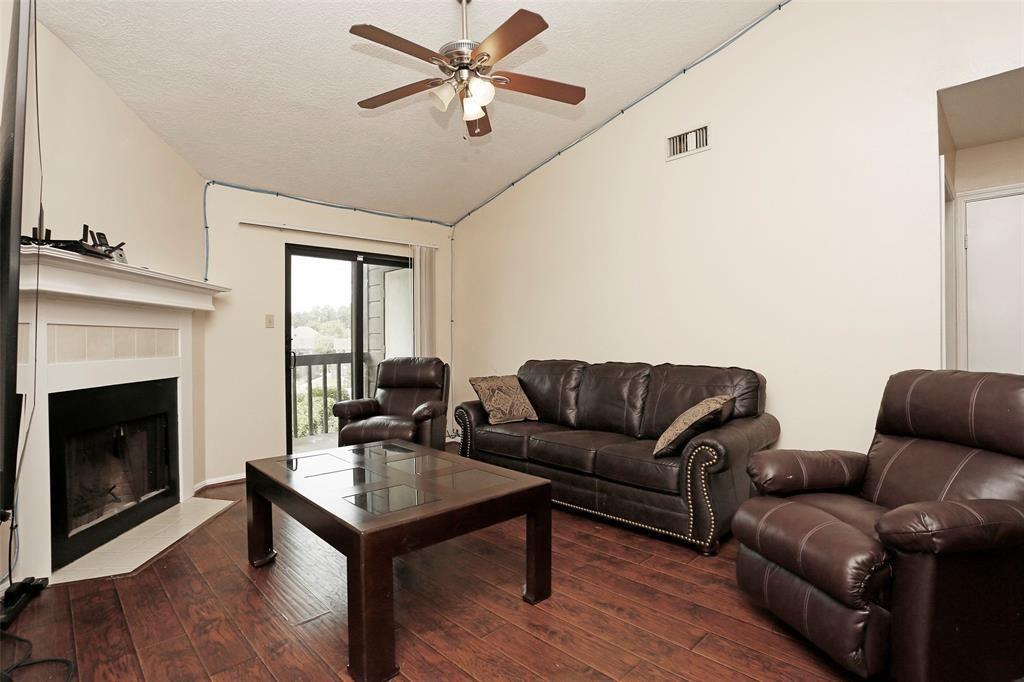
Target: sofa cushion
[(503, 399), (850, 509), (676, 388), (574, 450), (510, 439), (633, 463), (612, 397), (552, 387), (381, 427), (835, 556)]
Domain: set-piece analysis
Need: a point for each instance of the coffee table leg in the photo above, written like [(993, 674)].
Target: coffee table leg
[(371, 618), (538, 552), (260, 525)]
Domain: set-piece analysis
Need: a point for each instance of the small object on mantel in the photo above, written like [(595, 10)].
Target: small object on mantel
[(93, 244)]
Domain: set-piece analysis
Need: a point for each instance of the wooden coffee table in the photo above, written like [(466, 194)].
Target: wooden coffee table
[(377, 501)]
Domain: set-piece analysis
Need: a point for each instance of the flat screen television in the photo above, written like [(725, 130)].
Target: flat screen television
[(12, 165)]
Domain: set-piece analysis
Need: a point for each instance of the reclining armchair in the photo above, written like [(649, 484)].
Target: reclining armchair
[(410, 403), (907, 561)]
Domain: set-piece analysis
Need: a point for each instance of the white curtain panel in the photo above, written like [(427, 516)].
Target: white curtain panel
[(425, 296)]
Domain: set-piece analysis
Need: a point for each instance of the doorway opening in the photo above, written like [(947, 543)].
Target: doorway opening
[(345, 312), (981, 146)]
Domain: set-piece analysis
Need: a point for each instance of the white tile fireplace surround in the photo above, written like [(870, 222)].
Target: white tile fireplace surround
[(100, 323)]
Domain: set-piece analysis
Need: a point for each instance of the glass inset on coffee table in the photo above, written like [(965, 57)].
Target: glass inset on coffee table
[(393, 498)]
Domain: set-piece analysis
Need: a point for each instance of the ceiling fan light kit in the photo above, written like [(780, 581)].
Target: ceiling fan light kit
[(471, 109), (466, 67), (482, 90), (443, 95)]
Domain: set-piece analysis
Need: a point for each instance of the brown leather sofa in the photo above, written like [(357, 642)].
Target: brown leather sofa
[(595, 441), (410, 403), (907, 561)]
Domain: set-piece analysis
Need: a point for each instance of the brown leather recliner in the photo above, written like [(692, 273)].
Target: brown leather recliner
[(411, 403), (907, 561)]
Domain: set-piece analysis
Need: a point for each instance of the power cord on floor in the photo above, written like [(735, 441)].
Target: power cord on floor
[(26, 661)]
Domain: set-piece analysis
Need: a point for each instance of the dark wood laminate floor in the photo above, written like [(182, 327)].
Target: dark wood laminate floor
[(625, 606)]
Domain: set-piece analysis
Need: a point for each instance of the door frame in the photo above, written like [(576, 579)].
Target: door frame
[(961, 245), (358, 260)]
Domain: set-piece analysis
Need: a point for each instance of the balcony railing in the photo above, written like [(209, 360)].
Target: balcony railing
[(314, 391)]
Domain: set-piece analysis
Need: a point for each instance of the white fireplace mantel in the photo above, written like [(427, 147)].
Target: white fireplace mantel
[(96, 323), (64, 273)]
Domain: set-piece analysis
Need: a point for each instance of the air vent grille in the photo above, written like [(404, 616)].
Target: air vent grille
[(690, 142)]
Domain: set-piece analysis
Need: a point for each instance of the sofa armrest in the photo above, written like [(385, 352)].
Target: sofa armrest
[(953, 526), (781, 472), (429, 410), (356, 409), (469, 415), (714, 465)]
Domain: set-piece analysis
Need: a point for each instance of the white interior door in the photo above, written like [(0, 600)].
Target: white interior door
[(995, 284)]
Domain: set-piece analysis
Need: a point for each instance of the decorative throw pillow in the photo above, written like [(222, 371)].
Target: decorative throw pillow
[(703, 416), (503, 398)]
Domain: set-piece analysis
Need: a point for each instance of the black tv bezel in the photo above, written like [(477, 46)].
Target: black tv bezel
[(12, 169)]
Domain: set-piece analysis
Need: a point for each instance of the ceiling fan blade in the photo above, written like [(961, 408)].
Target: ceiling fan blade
[(398, 93), (479, 127), (382, 37), (517, 29), (541, 87)]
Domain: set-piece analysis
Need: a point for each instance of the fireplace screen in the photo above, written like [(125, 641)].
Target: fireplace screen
[(113, 462), (114, 468)]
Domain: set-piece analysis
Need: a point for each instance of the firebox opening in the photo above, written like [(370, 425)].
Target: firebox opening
[(113, 462)]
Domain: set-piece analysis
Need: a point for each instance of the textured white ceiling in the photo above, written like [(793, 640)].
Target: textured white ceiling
[(987, 110), (264, 93)]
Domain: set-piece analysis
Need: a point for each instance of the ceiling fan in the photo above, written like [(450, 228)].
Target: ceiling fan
[(466, 67)]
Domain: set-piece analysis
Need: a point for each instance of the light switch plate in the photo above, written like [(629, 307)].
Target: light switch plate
[(268, 321)]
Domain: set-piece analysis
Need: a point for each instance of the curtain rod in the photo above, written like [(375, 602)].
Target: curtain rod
[(327, 233), (702, 58)]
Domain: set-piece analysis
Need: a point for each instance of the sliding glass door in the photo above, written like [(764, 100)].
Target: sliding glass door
[(345, 311)]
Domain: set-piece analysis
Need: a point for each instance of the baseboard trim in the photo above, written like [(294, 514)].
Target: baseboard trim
[(218, 481)]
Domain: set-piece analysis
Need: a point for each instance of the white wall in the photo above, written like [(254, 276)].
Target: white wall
[(803, 244), (991, 165), (244, 382), (103, 166)]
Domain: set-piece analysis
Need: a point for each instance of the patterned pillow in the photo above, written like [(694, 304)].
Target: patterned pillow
[(705, 415), (503, 398)]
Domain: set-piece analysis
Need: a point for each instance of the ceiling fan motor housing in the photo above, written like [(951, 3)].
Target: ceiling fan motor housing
[(459, 52)]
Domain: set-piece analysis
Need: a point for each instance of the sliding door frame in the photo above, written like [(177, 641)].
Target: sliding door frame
[(358, 260)]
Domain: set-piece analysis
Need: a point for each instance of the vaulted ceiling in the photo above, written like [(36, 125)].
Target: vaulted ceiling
[(264, 93)]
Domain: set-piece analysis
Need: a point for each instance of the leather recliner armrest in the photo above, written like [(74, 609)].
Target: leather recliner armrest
[(429, 410), (356, 409), (953, 526), (780, 472), (469, 415)]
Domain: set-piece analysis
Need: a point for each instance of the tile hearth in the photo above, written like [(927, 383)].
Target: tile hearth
[(135, 547)]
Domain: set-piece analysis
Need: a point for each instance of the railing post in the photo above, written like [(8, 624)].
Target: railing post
[(325, 396), (309, 400), (295, 401)]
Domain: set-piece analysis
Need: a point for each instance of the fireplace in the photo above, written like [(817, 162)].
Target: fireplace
[(113, 462)]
